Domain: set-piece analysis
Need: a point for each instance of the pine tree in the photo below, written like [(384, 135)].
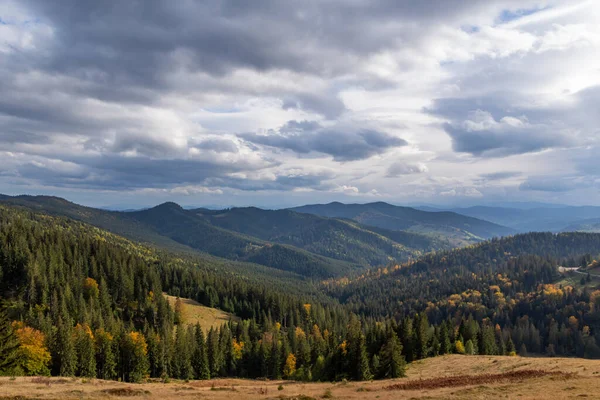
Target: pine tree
[(65, 355), (445, 344), (362, 371), (510, 347), (9, 345), (421, 335), (392, 363), (200, 359), (275, 360), (84, 347), (213, 352), (470, 348), (105, 356)]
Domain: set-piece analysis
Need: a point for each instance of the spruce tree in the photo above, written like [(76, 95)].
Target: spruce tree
[(391, 360), (200, 358), (65, 355), (105, 355), (86, 355), (9, 345)]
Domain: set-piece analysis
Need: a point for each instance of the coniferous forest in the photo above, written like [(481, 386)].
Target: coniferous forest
[(80, 301)]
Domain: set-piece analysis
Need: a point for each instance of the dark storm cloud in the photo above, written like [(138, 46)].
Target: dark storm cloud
[(343, 144)]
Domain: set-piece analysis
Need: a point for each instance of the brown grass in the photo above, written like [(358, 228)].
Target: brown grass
[(446, 377), (194, 312), (466, 380)]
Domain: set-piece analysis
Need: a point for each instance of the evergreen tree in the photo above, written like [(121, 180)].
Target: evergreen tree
[(9, 345), (470, 348), (391, 360), (445, 344), (105, 356), (65, 357), (200, 358), (86, 355)]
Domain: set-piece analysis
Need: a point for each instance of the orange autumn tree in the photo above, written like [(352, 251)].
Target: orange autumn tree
[(33, 355)]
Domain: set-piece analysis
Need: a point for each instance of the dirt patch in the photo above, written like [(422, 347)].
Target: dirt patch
[(125, 392), (483, 379)]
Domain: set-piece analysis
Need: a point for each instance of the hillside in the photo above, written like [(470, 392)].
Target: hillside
[(459, 229), (586, 225), (90, 295), (338, 239), (512, 266), (193, 313), (446, 377), (302, 244), (171, 227)]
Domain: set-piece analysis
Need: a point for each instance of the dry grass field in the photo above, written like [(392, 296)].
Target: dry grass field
[(194, 312), (447, 377)]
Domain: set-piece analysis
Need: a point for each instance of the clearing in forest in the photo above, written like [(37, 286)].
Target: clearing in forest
[(194, 312)]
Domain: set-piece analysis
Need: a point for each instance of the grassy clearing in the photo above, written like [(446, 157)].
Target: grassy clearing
[(194, 312), (446, 377)]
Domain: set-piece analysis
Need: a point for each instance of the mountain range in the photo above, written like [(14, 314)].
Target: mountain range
[(312, 241), (537, 219)]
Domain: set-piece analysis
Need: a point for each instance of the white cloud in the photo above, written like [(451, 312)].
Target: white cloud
[(450, 94)]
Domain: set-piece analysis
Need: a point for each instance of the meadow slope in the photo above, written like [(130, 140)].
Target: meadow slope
[(446, 377)]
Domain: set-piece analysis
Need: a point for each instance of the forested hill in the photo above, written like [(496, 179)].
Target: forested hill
[(308, 245), (458, 228), (335, 238), (85, 302), (512, 266)]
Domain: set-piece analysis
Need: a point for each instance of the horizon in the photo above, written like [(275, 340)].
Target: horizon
[(443, 104), (434, 207)]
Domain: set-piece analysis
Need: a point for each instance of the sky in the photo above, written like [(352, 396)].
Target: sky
[(278, 103)]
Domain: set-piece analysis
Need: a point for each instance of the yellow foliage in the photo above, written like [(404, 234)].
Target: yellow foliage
[(139, 341), (290, 366), (460, 347), (277, 326), (90, 287), (316, 332), (307, 307), (34, 356), (237, 349), (84, 328), (300, 333), (573, 322), (344, 347)]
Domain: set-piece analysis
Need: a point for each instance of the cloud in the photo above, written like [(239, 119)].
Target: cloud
[(402, 168), (343, 143), (214, 98), (482, 135), (550, 184), (496, 176)]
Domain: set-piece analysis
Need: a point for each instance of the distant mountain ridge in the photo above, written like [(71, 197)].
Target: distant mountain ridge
[(542, 219), (459, 229), (304, 244)]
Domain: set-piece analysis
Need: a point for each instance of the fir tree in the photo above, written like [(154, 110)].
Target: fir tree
[(8, 345), (200, 359), (392, 363)]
